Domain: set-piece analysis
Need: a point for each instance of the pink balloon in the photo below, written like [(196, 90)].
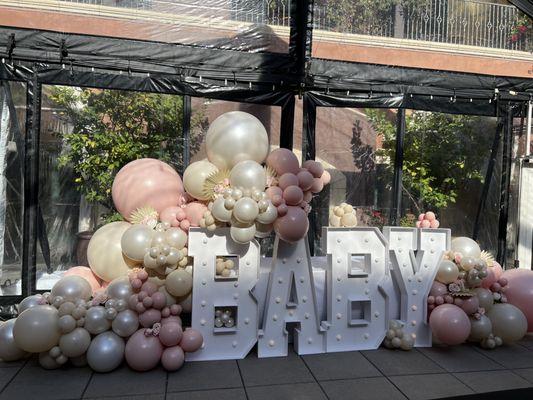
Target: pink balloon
[(292, 226), (87, 274), (308, 196), (148, 318), (430, 216), (185, 225), (170, 215), (149, 287), (283, 161), (418, 224), (421, 217), (293, 195), (195, 212), (314, 167), (326, 177), (425, 224), (159, 300), (191, 340), (146, 182), (470, 305), (305, 179), (494, 273), (173, 358), (434, 224), (277, 200), (282, 209), (438, 289), (519, 292), (143, 352), (170, 334), (318, 185), (171, 319), (274, 191), (450, 324), (287, 180)]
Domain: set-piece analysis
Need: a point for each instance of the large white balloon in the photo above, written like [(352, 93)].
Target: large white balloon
[(136, 241), (37, 329), (29, 302), (236, 136), (106, 352), (466, 246), (248, 175), (508, 322), (194, 178), (104, 252)]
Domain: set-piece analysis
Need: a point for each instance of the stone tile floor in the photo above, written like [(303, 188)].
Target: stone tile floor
[(463, 371)]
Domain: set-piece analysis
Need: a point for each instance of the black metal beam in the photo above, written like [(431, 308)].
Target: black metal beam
[(396, 212), (287, 124), (309, 153)]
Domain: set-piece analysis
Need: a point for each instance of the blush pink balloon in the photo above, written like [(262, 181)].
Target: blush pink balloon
[(170, 334), (421, 217), (308, 196), (282, 209), (172, 215), (159, 300), (305, 179), (317, 186), (146, 182), (494, 273), (283, 161), (143, 352), (292, 226), (87, 274), (287, 180), (470, 305), (171, 319), (438, 289), (519, 292), (273, 191), (293, 195), (148, 318), (430, 216), (173, 358), (434, 224), (425, 224), (195, 212), (149, 287), (326, 177), (450, 324), (418, 224), (314, 167), (191, 340)]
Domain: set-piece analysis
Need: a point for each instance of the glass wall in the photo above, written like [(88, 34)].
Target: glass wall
[(12, 131)]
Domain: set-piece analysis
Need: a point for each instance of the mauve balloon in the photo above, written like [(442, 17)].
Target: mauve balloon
[(283, 161), (191, 340), (143, 352), (170, 334), (292, 226), (450, 324), (173, 358)]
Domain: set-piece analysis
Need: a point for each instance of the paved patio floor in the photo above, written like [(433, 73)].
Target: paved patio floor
[(379, 374)]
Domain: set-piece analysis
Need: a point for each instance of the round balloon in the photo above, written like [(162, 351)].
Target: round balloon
[(72, 288), (236, 136), (493, 274), (466, 246), (125, 323), (105, 352), (143, 352), (178, 283), (104, 252), (450, 324), (191, 340), (136, 241), (75, 343), (173, 358), (29, 302), (195, 212), (248, 175), (480, 328), (37, 329), (284, 161), (8, 348), (194, 178), (146, 182), (96, 321), (519, 292), (292, 226), (485, 298), (447, 272), (508, 322), (87, 274), (119, 289)]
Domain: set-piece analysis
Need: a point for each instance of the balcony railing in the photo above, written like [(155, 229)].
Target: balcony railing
[(456, 22)]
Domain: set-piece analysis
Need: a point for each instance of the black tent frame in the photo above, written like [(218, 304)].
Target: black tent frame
[(40, 58)]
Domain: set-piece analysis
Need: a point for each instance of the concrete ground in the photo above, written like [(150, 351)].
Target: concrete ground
[(378, 374)]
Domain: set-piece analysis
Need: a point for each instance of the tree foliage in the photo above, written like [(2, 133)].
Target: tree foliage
[(443, 154), (111, 128)]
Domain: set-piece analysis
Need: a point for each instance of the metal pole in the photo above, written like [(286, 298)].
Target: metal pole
[(528, 135), (287, 124), (309, 153), (396, 213)]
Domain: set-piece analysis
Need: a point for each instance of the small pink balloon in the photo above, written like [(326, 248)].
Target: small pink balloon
[(496, 287), (169, 215), (431, 299), (293, 226), (143, 352), (173, 358), (185, 225), (141, 295), (173, 319), (421, 217), (282, 210), (470, 305), (450, 324), (305, 179), (434, 224), (159, 300), (136, 284), (191, 340), (180, 214), (503, 281), (142, 275), (293, 195), (448, 299), (519, 292), (147, 302), (274, 191), (430, 216), (438, 289), (326, 177), (140, 308), (308, 196), (314, 167), (149, 287), (425, 224), (87, 274), (146, 182), (176, 309), (165, 312), (148, 318), (418, 224), (277, 200), (287, 180), (132, 302), (439, 300), (493, 274), (318, 185), (195, 212), (170, 334), (458, 301), (283, 161)]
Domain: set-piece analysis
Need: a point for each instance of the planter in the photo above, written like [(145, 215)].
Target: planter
[(81, 247)]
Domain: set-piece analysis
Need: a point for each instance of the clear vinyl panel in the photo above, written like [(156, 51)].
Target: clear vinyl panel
[(86, 136), (245, 25), (352, 149), (12, 132)]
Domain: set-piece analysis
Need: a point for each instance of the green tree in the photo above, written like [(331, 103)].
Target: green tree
[(443, 153), (111, 128)]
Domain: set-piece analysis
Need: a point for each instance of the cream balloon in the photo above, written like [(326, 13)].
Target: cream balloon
[(480, 328), (125, 323), (75, 343), (219, 211), (95, 320), (248, 175), (508, 322), (104, 252), (119, 289), (269, 216), (485, 297), (29, 302), (37, 329), (466, 246), (72, 288), (242, 234), (175, 237), (236, 136), (245, 210), (179, 283), (447, 272), (194, 178), (8, 348), (136, 241)]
